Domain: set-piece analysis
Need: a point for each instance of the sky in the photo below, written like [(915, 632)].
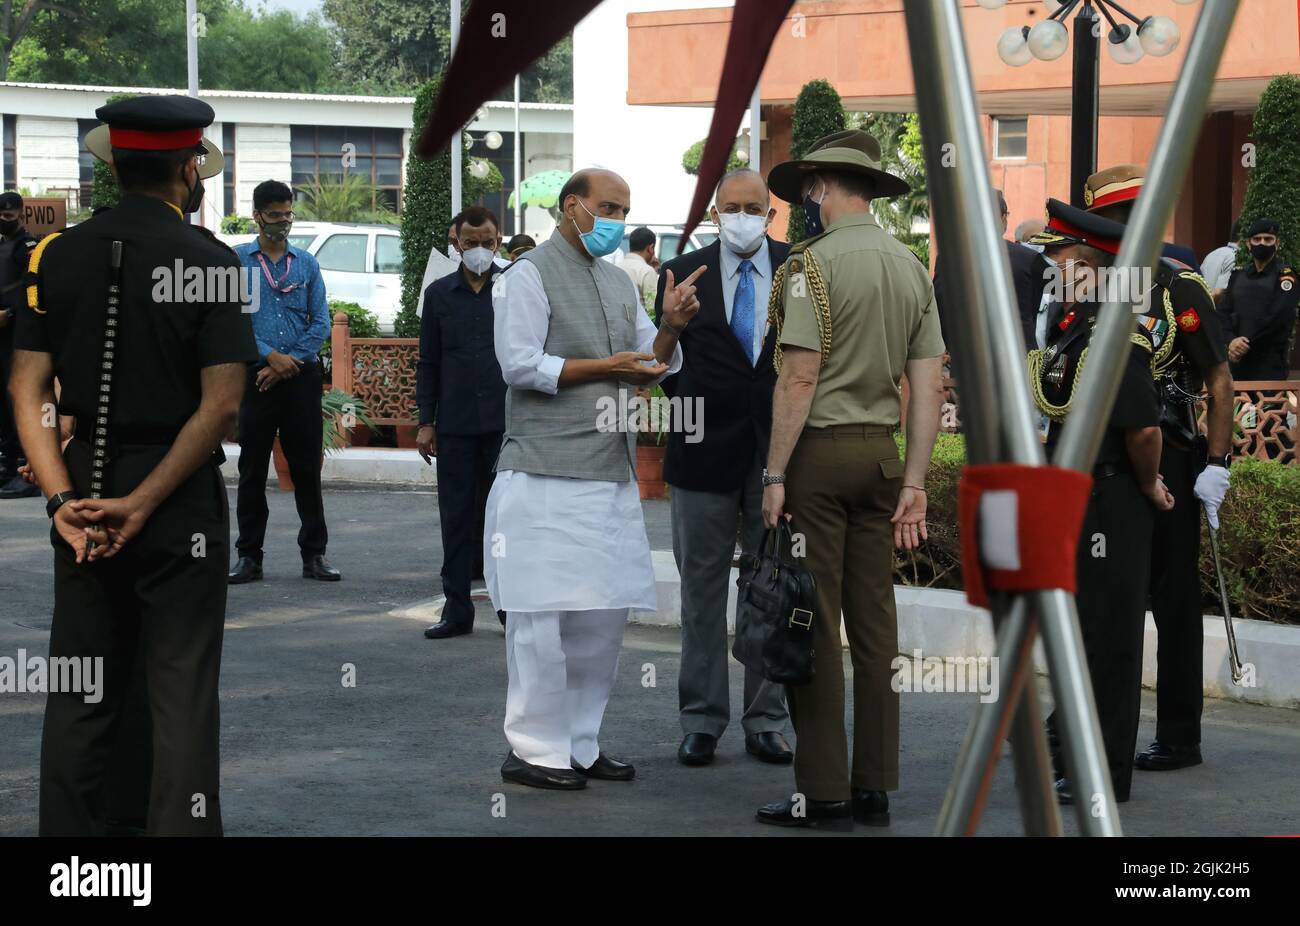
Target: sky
[(295, 6)]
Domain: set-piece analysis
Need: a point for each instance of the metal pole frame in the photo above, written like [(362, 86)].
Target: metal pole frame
[(458, 142), (1000, 417), (1085, 95), (519, 199)]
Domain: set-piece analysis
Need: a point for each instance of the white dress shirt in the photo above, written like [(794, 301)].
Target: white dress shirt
[(1217, 266), (762, 277), (552, 543), (644, 277)]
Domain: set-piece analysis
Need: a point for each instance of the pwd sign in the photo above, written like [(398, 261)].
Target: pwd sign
[(45, 215)]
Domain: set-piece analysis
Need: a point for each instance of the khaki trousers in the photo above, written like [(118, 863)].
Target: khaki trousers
[(842, 486)]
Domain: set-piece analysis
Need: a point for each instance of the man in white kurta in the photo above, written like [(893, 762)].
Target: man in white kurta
[(567, 558)]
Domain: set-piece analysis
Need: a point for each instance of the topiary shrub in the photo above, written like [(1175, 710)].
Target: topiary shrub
[(1273, 190), (691, 158), (426, 209), (426, 213), (817, 112), (237, 225)]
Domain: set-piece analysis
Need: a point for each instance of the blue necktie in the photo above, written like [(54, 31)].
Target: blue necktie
[(742, 310)]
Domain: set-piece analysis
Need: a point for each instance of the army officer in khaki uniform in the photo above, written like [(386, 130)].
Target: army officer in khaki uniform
[(853, 311)]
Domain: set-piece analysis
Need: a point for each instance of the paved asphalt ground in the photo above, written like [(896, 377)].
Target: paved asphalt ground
[(416, 746)]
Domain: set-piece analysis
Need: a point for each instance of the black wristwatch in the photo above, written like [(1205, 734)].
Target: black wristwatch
[(58, 500), (1225, 461)]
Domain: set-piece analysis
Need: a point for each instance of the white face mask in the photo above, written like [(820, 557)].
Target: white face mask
[(478, 259), (742, 232), (453, 253)]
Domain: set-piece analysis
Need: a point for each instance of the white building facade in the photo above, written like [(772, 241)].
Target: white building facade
[(644, 144), (293, 137)]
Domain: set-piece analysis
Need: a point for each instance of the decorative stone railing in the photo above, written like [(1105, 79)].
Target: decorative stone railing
[(381, 371)]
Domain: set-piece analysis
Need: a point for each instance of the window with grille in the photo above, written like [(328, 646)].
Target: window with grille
[(318, 155), (11, 152), (228, 171)]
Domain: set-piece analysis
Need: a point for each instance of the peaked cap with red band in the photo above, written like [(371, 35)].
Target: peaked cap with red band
[(1067, 224), (156, 123), (1119, 184)]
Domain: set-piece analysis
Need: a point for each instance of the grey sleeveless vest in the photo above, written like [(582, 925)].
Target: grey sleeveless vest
[(593, 315)]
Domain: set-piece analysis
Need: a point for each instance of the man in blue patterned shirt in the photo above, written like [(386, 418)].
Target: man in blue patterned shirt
[(291, 320)]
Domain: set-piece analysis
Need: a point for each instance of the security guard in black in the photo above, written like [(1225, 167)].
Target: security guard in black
[(153, 580), (1259, 308)]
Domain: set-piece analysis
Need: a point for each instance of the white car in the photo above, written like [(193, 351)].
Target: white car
[(359, 263), (668, 240)]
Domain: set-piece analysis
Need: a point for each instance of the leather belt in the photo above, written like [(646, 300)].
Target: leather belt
[(1105, 470), (840, 431)]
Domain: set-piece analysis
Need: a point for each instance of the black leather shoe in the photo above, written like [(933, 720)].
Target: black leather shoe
[(1163, 757), (246, 570), (822, 815), (1064, 792), (769, 747), (871, 808), (607, 769), (697, 749), (18, 487), (443, 629), (536, 776), (501, 616), (315, 567)]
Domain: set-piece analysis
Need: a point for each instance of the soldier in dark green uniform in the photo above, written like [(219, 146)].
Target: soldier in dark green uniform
[(134, 312), (1188, 356), (1114, 550)]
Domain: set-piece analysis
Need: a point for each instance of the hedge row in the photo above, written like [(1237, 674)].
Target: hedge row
[(1259, 537)]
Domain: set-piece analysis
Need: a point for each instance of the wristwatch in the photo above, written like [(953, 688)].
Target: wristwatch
[(773, 479), (58, 500), (1225, 461)]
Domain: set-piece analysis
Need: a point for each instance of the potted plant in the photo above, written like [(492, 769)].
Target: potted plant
[(340, 414), (650, 448)]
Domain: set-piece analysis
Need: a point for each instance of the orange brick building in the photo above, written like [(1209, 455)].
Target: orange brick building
[(860, 46)]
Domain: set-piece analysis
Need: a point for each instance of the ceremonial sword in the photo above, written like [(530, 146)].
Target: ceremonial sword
[(1234, 660)]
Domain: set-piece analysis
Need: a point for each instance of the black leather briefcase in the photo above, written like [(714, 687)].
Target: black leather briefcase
[(774, 612)]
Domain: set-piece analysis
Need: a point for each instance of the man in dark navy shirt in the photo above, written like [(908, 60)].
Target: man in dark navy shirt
[(461, 397), (291, 320)]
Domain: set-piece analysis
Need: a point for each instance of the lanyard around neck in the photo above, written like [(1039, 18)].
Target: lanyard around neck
[(274, 283)]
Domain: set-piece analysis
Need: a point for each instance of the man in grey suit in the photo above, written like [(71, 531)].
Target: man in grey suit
[(714, 462)]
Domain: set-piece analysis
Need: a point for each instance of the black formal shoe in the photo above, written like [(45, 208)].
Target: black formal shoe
[(822, 815), (315, 567), (697, 749), (501, 616), (444, 629), (1164, 757), (769, 747), (246, 570), (536, 776), (18, 487), (607, 769), (871, 808), (1064, 793)]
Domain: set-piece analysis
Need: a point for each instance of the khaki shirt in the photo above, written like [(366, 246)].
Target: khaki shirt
[(882, 313)]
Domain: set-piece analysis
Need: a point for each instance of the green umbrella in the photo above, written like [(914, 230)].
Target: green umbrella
[(541, 189)]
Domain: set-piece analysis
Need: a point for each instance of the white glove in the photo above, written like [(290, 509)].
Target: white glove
[(1210, 488)]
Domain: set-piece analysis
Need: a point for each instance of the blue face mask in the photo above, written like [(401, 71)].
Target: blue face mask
[(605, 236)]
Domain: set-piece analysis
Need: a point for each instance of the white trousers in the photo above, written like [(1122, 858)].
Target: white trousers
[(562, 666)]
